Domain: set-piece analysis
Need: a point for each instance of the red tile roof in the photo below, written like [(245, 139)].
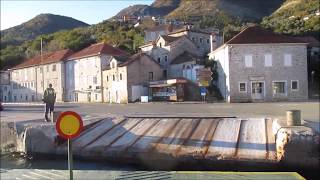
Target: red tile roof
[(312, 42), (257, 35), (135, 57), (170, 39), (99, 48), (185, 57), (47, 58)]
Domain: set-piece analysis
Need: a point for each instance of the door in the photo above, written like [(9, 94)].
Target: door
[(117, 97), (76, 97), (89, 97), (257, 90)]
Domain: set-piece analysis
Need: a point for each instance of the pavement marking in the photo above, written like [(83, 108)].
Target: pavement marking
[(64, 173), (49, 173), (295, 174), (30, 177), (43, 176)]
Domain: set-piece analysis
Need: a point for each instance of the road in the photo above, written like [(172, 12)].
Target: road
[(310, 110)]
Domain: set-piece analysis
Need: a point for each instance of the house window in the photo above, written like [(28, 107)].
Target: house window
[(96, 96), (54, 67), (26, 97), (47, 68), (166, 58), (113, 78), (248, 60), (267, 60), (279, 87), (208, 41), (295, 85), (159, 60), (287, 60), (94, 80), (150, 76), (120, 76), (193, 39), (242, 87), (107, 78), (200, 40)]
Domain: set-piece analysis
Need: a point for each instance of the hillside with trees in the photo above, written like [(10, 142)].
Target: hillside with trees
[(122, 35), (295, 17), (246, 10), (41, 24)]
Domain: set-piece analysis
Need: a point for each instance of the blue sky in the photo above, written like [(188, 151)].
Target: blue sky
[(16, 12)]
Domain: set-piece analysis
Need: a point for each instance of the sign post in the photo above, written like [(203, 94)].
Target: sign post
[(69, 125)]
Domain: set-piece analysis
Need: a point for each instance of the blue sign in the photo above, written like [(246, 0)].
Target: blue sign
[(203, 91)]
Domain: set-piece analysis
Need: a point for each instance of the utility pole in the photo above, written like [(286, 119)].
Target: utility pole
[(42, 68)]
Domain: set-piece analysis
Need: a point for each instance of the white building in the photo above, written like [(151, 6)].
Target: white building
[(30, 78), (187, 66), (84, 72), (258, 65), (126, 79), (5, 90)]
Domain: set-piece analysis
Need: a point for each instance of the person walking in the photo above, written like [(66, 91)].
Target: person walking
[(49, 98)]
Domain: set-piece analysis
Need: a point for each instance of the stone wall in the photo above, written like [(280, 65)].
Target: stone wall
[(277, 72)]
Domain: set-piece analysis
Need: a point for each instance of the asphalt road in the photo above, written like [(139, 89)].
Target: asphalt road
[(23, 112)]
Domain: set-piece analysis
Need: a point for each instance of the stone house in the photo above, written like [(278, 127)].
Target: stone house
[(167, 48), (5, 90), (30, 78), (84, 80), (259, 65), (205, 42), (126, 78), (151, 34), (186, 65)]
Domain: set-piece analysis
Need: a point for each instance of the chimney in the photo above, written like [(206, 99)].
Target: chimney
[(213, 41)]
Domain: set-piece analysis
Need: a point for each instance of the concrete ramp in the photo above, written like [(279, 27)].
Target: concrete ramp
[(191, 138)]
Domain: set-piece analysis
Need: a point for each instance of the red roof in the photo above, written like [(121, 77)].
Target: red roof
[(312, 42), (135, 57), (99, 48), (47, 58), (257, 35)]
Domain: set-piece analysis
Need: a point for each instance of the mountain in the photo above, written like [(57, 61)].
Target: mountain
[(295, 17), (41, 24), (157, 8), (251, 10)]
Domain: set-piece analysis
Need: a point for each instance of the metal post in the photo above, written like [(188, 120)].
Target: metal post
[(294, 118), (42, 69), (70, 161)]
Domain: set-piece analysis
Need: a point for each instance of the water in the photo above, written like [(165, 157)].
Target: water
[(21, 161)]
